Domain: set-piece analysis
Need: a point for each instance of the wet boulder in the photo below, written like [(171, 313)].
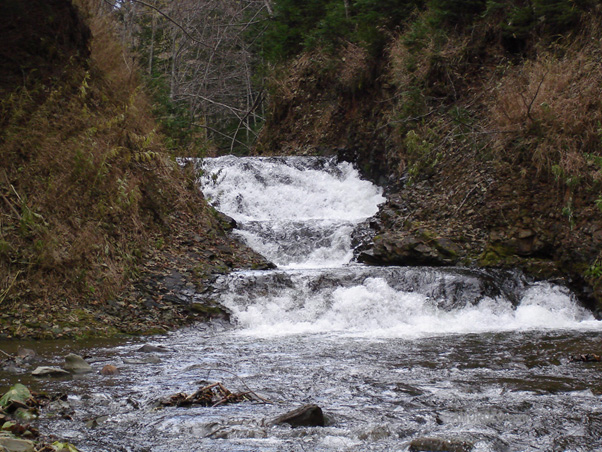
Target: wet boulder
[(147, 348), (18, 396), (410, 249), (305, 416), (76, 364), (17, 445), (45, 371), (439, 445)]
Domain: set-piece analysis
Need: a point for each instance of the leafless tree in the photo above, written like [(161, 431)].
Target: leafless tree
[(204, 53)]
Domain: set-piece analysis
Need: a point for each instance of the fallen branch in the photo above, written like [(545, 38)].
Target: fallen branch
[(5, 293), (264, 400), (9, 204), (209, 396)]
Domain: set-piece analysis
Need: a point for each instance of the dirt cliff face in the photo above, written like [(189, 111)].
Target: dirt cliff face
[(100, 229), (487, 157)]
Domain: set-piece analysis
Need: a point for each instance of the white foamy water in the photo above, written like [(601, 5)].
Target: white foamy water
[(376, 307), (389, 353), (300, 213)]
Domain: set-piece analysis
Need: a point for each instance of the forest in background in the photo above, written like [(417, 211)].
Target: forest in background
[(483, 120)]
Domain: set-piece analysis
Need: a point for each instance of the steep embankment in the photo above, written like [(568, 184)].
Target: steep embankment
[(488, 141), (100, 228)]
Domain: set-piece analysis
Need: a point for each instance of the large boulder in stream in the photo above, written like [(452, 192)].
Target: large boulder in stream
[(413, 249), (45, 371), (76, 364), (305, 416)]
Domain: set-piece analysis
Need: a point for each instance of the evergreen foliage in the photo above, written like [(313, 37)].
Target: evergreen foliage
[(297, 25), (455, 12)]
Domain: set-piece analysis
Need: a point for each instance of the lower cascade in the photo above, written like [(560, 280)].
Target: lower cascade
[(395, 358)]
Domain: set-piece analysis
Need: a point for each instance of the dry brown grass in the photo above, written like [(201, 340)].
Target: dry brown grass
[(86, 182), (551, 107)]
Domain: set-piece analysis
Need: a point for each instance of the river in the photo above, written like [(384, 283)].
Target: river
[(455, 358)]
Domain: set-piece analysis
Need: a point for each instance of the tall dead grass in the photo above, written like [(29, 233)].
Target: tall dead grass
[(550, 108), (86, 179)]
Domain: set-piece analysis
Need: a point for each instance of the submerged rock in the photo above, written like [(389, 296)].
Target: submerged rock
[(93, 423), (147, 348), (585, 358), (305, 416), (148, 360), (25, 354), (45, 371), (439, 445), (76, 364)]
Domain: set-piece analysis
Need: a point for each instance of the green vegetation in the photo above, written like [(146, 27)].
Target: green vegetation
[(297, 25), (301, 25)]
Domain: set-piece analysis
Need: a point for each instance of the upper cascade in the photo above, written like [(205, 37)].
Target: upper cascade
[(299, 212)]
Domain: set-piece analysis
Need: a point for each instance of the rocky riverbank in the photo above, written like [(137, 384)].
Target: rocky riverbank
[(167, 294)]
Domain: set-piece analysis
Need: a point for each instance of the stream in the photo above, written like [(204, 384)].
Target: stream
[(454, 358)]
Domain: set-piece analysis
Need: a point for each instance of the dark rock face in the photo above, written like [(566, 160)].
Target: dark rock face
[(305, 416), (405, 248)]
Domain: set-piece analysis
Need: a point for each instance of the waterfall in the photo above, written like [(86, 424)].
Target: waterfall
[(300, 213), (398, 358)]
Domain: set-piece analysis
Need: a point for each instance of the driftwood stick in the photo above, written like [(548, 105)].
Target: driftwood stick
[(200, 391), (259, 398), (466, 198)]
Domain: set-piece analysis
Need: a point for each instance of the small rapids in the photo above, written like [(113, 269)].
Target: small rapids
[(441, 358), (395, 303)]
